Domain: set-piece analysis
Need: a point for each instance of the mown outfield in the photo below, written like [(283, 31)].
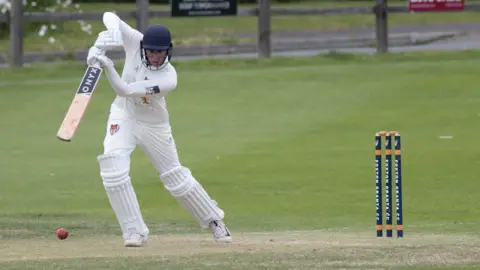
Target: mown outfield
[(284, 145)]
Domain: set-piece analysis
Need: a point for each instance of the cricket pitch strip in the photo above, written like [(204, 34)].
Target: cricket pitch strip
[(301, 248)]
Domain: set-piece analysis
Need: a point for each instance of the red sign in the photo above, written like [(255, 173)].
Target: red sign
[(436, 5)]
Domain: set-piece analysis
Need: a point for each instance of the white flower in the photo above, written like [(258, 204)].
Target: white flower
[(67, 3), (53, 26), (5, 5), (51, 40), (86, 27), (34, 4), (43, 30)]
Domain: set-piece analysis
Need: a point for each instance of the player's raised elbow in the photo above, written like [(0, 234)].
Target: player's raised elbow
[(108, 14), (111, 20)]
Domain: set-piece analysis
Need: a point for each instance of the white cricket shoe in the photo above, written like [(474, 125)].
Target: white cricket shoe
[(220, 231), (135, 240)]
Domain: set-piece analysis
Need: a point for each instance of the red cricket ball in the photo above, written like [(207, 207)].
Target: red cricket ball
[(62, 233)]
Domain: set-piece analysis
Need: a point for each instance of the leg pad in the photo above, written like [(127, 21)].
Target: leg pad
[(188, 191), (114, 170)]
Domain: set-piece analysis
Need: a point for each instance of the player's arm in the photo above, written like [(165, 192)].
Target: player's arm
[(161, 85), (130, 37)]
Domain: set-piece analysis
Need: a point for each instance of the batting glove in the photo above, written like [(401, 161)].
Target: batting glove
[(104, 61), (93, 53), (109, 39)]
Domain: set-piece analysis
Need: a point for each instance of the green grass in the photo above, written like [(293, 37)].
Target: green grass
[(218, 30), (284, 144)]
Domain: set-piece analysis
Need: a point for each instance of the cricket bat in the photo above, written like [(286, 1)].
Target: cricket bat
[(80, 102)]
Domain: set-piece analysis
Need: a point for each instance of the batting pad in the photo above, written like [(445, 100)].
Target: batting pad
[(114, 170), (186, 189)]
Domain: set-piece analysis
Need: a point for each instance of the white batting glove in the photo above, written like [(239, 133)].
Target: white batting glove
[(104, 61), (109, 39), (93, 53)]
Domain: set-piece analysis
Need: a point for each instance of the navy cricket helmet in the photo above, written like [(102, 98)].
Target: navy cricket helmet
[(156, 38)]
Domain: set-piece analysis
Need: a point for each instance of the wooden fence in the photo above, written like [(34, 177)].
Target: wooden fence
[(17, 17)]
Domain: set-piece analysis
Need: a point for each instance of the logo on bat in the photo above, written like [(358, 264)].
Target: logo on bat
[(89, 81)]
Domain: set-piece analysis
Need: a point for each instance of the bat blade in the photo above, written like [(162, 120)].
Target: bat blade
[(79, 104)]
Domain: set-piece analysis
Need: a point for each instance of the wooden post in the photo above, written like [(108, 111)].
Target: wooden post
[(16, 33), (381, 16), (142, 15), (263, 42)]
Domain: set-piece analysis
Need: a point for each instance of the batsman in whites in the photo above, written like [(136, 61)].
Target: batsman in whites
[(139, 116)]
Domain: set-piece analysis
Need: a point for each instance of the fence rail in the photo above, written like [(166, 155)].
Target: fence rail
[(17, 18), (70, 16)]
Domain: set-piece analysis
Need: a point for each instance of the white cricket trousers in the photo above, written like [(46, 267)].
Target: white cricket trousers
[(124, 134)]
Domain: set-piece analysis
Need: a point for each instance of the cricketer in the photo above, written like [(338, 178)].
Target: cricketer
[(138, 116)]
